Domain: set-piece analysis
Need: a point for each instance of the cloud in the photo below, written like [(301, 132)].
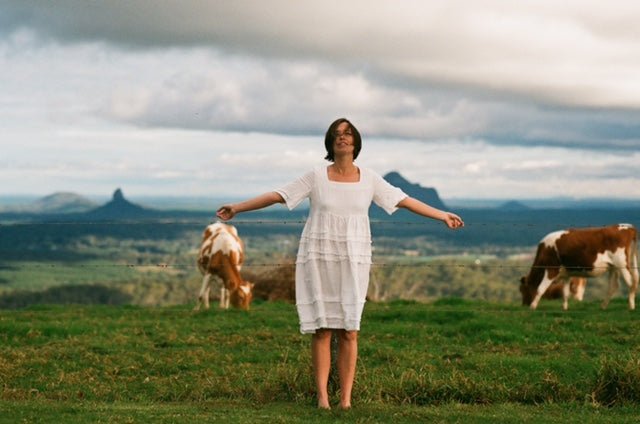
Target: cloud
[(536, 72), (471, 97), (533, 165), (221, 164), (275, 96), (577, 53), (474, 167)]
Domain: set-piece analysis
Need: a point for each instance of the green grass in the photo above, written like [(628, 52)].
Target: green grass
[(42, 275), (449, 361), (287, 412)]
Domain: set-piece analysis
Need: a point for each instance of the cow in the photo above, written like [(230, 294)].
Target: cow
[(577, 286), (222, 254), (583, 252)]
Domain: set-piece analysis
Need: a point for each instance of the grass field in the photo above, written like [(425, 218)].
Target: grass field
[(447, 361)]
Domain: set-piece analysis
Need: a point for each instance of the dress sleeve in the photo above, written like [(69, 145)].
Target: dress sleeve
[(385, 195), (298, 190)]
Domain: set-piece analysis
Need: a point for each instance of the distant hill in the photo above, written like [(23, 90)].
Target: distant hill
[(120, 208), (426, 194), (61, 202), (513, 206)]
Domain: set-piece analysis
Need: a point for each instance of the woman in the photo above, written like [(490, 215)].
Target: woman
[(334, 256)]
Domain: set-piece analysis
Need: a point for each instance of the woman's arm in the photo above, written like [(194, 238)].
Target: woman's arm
[(416, 206), (227, 212)]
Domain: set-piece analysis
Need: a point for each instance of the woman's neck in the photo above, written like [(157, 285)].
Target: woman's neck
[(344, 165)]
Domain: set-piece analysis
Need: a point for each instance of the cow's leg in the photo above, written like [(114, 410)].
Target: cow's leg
[(544, 285), (566, 292), (207, 291), (224, 297), (203, 297), (632, 284), (635, 280), (579, 288), (613, 287), (635, 272)]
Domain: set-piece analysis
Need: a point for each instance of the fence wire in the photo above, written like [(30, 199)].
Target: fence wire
[(407, 262), (439, 265), (200, 222)]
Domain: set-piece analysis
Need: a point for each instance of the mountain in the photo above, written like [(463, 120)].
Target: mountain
[(61, 202), (513, 206), (120, 208), (426, 194)]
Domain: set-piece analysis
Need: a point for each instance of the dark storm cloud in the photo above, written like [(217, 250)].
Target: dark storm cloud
[(533, 73)]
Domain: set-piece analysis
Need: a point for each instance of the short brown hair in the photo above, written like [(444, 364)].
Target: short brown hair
[(330, 137)]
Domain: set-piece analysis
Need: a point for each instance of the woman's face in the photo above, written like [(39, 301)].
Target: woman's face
[(343, 140)]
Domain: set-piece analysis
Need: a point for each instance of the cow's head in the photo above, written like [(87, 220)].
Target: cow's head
[(528, 291), (242, 296)]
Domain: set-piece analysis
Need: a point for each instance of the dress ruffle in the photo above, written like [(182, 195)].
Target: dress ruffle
[(333, 238)]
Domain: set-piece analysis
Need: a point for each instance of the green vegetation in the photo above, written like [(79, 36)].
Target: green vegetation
[(149, 265), (445, 339), (448, 361)]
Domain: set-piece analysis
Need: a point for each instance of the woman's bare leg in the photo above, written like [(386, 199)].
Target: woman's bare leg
[(321, 359), (347, 358)]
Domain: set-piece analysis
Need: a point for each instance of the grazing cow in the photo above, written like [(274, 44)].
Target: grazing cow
[(583, 252), (221, 255), (577, 287)]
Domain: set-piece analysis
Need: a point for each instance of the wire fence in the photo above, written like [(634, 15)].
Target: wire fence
[(415, 260), (476, 262), (374, 265), (199, 222)]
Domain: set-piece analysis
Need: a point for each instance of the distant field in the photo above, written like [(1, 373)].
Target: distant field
[(451, 360), (152, 262), (155, 266)]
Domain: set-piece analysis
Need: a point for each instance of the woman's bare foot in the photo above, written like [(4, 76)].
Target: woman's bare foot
[(324, 405)]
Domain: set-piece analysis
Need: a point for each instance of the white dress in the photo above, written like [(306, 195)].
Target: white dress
[(334, 256)]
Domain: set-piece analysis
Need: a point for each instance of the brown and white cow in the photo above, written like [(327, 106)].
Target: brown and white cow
[(222, 254), (583, 252)]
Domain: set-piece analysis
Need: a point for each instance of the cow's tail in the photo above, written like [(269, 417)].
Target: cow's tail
[(201, 263), (633, 253)]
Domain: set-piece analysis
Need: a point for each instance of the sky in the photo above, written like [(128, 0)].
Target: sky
[(478, 99)]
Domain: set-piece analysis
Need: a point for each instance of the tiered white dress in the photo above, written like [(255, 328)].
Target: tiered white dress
[(334, 256)]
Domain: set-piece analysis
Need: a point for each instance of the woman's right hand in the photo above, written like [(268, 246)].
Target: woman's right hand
[(226, 212)]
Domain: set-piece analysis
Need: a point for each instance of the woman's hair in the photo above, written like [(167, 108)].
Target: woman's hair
[(330, 137)]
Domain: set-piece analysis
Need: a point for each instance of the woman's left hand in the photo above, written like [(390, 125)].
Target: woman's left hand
[(453, 221)]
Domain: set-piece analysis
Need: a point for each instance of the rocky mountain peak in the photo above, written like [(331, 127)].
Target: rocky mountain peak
[(428, 195), (118, 196)]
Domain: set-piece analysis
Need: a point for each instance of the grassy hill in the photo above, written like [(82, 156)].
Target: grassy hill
[(447, 361)]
